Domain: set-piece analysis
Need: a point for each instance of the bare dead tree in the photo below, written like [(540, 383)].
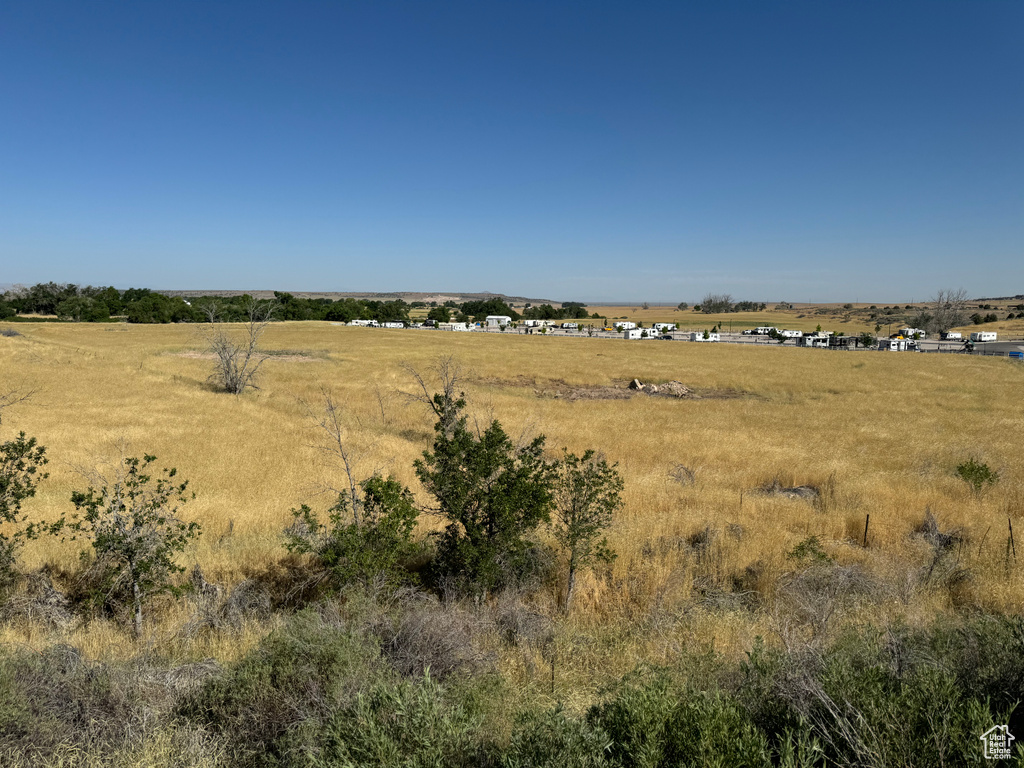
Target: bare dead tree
[(237, 363), (446, 400), (335, 444), (950, 309)]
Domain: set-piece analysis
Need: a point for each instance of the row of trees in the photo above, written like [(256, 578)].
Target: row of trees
[(492, 493), (141, 305), (718, 303)]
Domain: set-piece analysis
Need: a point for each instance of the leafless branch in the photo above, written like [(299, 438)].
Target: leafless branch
[(329, 418), (13, 397), (449, 375)]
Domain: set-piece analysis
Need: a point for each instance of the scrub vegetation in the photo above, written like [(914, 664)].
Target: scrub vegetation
[(407, 563)]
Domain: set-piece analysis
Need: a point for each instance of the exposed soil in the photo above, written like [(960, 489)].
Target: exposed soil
[(560, 389)]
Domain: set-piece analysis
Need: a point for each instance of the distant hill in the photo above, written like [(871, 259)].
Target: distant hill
[(409, 296)]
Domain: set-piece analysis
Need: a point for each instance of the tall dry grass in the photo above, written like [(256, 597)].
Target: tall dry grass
[(879, 434)]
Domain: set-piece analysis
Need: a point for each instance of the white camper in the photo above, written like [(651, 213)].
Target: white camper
[(497, 321), (700, 337), (984, 336), (624, 325)]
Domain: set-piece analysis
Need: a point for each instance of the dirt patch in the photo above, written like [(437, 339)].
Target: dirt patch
[(560, 389), (776, 488), (288, 357), (619, 389)]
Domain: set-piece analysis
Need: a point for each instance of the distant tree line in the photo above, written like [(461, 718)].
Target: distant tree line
[(74, 303)]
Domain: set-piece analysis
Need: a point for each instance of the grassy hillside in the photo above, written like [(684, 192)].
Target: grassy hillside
[(707, 552)]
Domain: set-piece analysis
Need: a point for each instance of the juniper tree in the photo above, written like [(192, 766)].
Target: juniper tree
[(492, 493)]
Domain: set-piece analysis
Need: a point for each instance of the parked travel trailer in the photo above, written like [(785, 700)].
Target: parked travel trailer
[(452, 327), (951, 336), (792, 334), (813, 341), (496, 321), (624, 325), (570, 326), (910, 333), (700, 337), (665, 327), (983, 336), (366, 323), (634, 333), (897, 345), (392, 325), (764, 330)]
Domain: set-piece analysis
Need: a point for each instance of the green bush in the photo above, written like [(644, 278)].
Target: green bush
[(653, 723), (401, 724), (552, 739), (977, 474), (316, 694), (370, 550), (266, 703)]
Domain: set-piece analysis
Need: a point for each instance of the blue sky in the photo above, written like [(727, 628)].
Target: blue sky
[(815, 151)]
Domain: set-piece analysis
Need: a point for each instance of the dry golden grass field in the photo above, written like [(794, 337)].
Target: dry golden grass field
[(877, 434)]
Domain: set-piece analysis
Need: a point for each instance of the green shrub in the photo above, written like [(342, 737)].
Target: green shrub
[(653, 723), (400, 724), (20, 462), (297, 676), (370, 550), (977, 474), (552, 739)]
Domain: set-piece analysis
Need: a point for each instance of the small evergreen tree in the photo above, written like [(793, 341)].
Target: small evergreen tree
[(491, 492)]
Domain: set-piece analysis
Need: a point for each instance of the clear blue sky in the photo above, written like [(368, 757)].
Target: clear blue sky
[(806, 151)]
